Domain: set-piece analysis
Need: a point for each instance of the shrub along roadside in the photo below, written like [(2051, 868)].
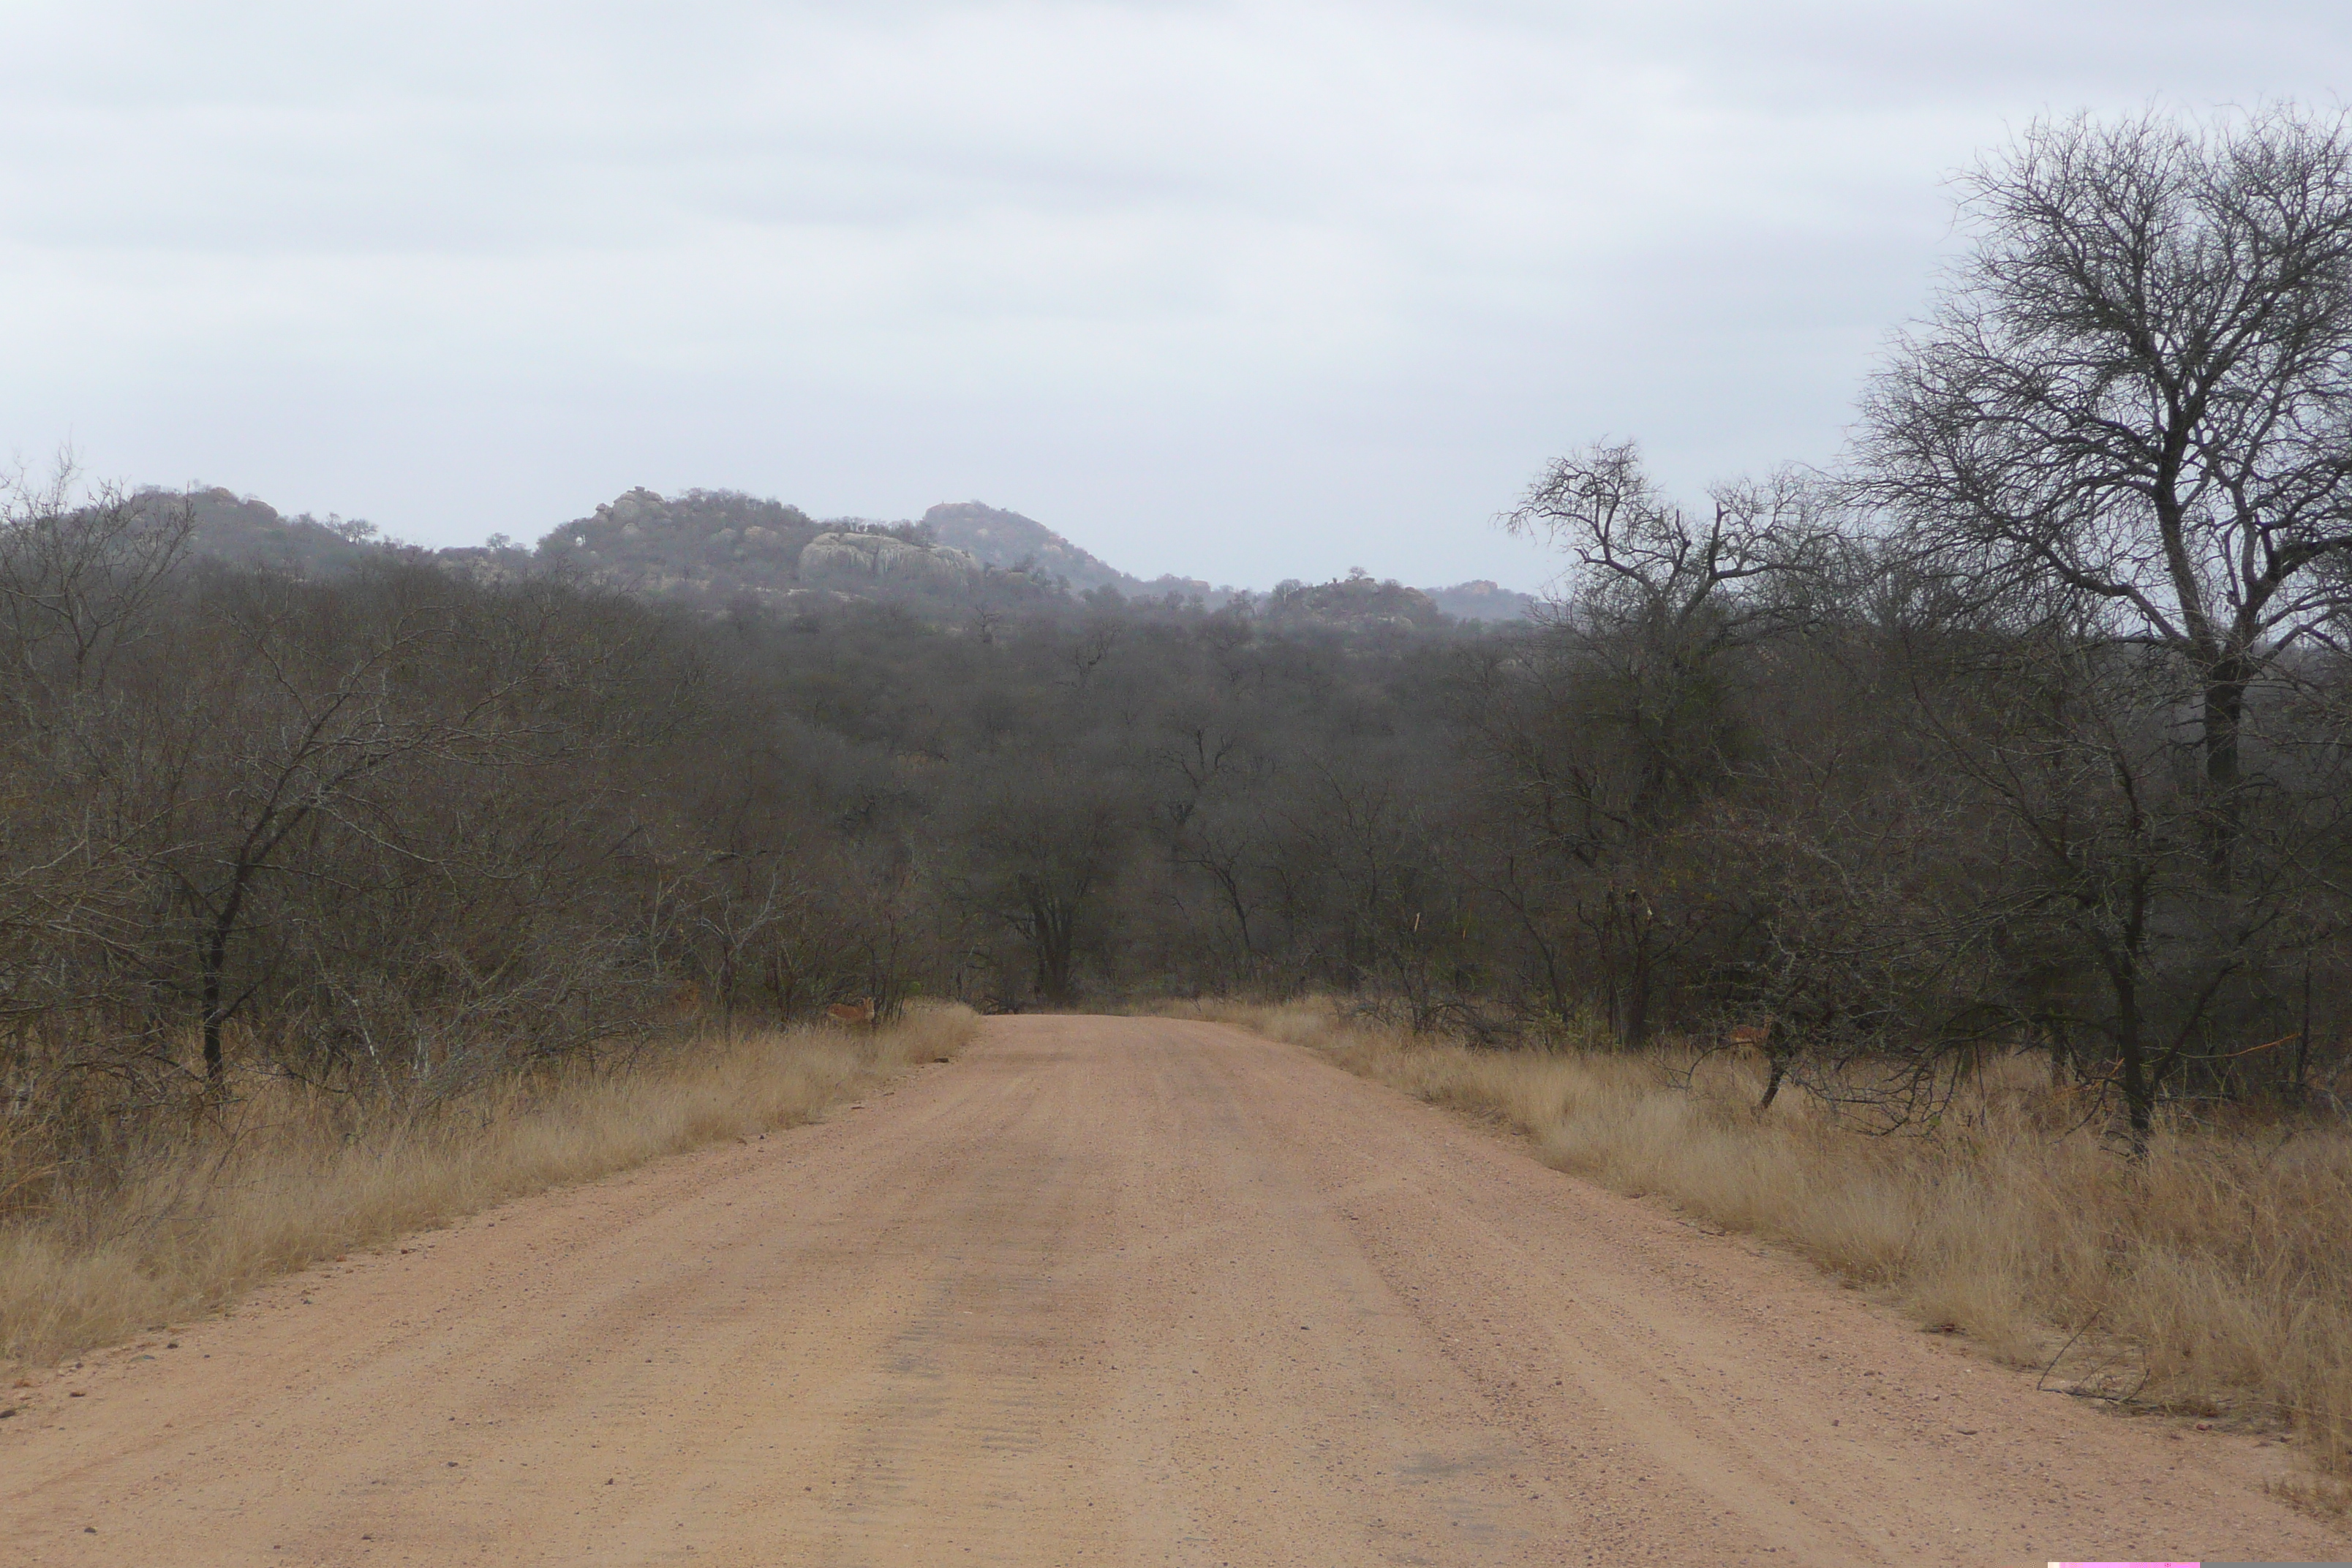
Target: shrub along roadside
[(206, 1211), (2214, 1278)]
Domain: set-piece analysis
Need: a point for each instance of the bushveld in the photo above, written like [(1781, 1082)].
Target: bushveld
[(198, 1202), (2212, 1278)]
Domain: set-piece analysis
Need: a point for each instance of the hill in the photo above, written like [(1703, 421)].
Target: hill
[(250, 532), (1357, 602), (1485, 600), (1007, 538), (718, 548)]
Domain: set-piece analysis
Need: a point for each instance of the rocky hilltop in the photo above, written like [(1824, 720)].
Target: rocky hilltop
[(1356, 602), (718, 548), (1007, 538), (858, 560), (703, 544), (250, 532)]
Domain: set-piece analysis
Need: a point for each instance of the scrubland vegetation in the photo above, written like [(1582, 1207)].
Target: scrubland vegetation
[(1995, 789), (2213, 1278), (205, 1199)]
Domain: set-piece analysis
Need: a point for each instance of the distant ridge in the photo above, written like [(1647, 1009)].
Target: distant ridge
[(1007, 538), (1485, 600), (716, 547), (997, 537)]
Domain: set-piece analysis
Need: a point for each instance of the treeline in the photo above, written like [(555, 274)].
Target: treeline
[(404, 826), (2028, 730)]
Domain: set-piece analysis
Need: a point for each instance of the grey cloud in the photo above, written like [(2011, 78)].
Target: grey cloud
[(1239, 290)]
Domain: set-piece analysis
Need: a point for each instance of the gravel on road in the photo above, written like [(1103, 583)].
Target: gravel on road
[(1104, 1291)]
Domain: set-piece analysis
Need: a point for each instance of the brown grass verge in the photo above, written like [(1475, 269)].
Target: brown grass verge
[(2215, 1279), (211, 1210)]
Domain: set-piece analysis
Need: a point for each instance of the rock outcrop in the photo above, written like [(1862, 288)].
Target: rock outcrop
[(839, 558), (1355, 603), (718, 549)]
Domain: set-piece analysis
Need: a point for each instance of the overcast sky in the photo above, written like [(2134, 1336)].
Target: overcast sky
[(1243, 291)]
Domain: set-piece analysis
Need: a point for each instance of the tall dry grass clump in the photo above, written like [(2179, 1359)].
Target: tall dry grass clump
[(2214, 1278), (199, 1209)]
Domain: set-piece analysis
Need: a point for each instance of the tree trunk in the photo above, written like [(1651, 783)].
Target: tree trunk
[(2299, 1088), (1633, 1028), (1631, 995), (2139, 1085), (1054, 933), (2225, 708), (214, 1009), (212, 1014)]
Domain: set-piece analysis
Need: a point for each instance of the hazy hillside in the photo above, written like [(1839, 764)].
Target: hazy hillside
[(704, 544), (1357, 602), (250, 532), (1008, 539), (715, 548), (1483, 600)]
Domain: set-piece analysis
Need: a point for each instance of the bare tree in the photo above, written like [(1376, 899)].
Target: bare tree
[(2090, 896), (80, 577), (1664, 594), (1620, 720), (1038, 854), (84, 586), (2139, 384), (1648, 562)]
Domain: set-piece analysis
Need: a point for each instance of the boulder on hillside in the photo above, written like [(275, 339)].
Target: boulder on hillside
[(632, 507), (843, 558), (702, 546)]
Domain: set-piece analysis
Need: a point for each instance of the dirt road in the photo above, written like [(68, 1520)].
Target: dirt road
[(1102, 1291)]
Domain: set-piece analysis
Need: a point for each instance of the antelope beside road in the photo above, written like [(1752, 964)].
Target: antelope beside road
[(853, 1013)]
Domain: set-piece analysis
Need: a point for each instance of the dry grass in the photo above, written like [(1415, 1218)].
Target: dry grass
[(2215, 1279), (208, 1211)]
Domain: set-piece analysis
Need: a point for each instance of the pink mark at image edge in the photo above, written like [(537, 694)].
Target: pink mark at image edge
[(2133, 1563)]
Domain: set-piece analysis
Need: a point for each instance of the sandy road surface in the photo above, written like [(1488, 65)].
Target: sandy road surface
[(1101, 1291)]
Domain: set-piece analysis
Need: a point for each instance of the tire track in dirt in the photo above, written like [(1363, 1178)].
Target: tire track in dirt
[(1106, 1290)]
